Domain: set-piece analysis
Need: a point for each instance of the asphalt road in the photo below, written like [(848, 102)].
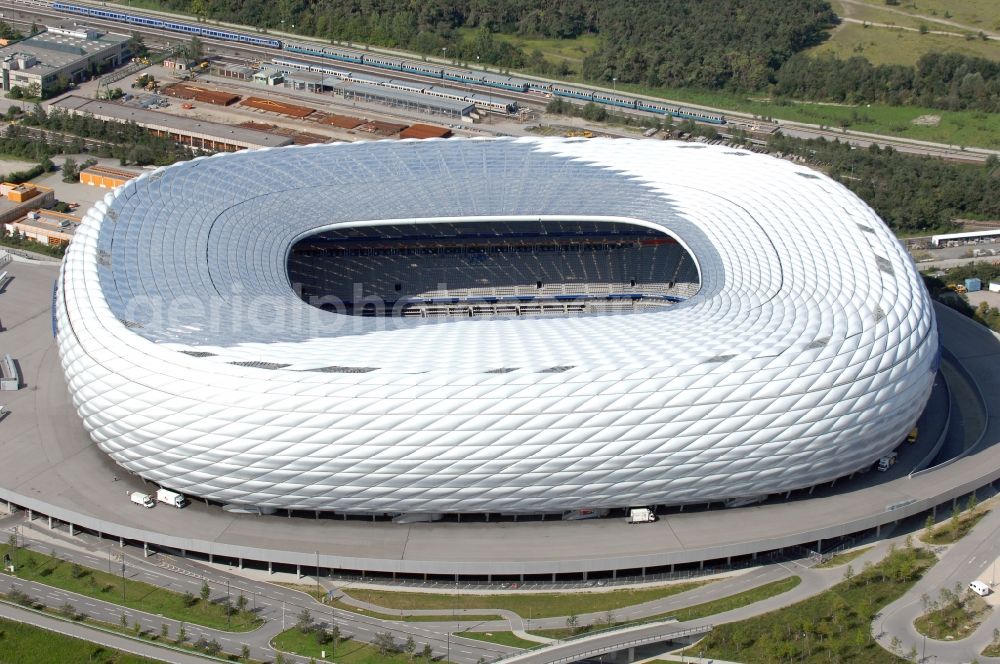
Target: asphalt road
[(277, 605)]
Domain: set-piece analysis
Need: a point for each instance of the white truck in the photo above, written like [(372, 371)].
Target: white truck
[(140, 498), (585, 513), (641, 515), (886, 462), (171, 498)]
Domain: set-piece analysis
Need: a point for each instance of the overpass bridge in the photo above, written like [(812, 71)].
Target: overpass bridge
[(607, 641)]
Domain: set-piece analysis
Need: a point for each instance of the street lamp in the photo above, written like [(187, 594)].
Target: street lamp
[(614, 83), (444, 51)]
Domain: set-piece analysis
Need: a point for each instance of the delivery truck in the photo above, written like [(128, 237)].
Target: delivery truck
[(142, 499), (171, 498)]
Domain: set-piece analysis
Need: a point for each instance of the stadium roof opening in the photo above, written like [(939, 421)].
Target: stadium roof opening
[(492, 267)]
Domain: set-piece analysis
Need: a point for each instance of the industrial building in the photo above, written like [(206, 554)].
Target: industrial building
[(198, 134), (760, 330), (106, 177), (49, 61), (17, 199), (45, 227), (410, 101)]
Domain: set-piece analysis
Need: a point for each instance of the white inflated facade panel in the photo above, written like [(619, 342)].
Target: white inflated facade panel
[(808, 352)]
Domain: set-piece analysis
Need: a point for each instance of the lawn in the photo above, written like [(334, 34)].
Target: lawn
[(832, 626), (540, 605), (843, 558), (688, 613), (951, 531), (570, 51), (884, 45), (98, 584), (501, 638), (738, 600), (978, 14), (25, 643), (346, 651), (956, 618)]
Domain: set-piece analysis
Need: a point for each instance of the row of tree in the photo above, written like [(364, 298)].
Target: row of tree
[(940, 80)]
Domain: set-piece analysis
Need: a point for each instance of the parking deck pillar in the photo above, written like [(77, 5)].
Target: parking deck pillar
[(145, 549), (753, 556), (298, 571), (72, 530), (811, 489), (269, 568), (240, 563), (121, 542), (878, 530), (701, 565), (31, 516), (50, 523), (631, 654), (819, 546), (614, 574), (584, 576), (671, 568)]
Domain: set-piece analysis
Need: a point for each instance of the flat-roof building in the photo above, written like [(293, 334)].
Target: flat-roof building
[(106, 177), (187, 131), (411, 101), (17, 199), (45, 227), (46, 63)]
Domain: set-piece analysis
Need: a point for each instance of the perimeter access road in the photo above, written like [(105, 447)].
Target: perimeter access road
[(278, 606), (971, 558)]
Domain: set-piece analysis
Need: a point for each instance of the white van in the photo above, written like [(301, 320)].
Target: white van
[(979, 588)]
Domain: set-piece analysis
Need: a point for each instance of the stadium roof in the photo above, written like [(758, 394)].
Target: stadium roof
[(808, 351)]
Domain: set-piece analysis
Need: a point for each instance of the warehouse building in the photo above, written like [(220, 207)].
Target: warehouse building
[(46, 63), (106, 177)]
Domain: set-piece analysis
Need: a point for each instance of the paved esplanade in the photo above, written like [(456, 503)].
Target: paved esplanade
[(48, 463)]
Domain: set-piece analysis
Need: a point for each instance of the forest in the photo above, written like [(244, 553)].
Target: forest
[(735, 45)]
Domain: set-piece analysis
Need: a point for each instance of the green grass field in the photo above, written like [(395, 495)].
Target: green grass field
[(834, 626), (955, 620), (570, 51), (346, 651), (541, 605), (501, 638), (101, 585), (883, 45), (950, 531), (978, 14), (24, 644)]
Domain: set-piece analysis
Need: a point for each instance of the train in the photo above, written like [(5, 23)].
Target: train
[(390, 63), (496, 105)]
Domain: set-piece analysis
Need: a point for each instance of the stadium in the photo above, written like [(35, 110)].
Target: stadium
[(523, 326)]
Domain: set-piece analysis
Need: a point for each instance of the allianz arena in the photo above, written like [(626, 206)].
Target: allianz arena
[(509, 325)]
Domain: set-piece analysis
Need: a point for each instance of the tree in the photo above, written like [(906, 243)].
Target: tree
[(385, 643), (572, 622), (181, 634), (70, 171), (241, 603), (427, 653), (929, 525), (849, 573), (279, 657), (68, 610), (164, 631), (205, 591), (195, 48), (245, 652), (973, 503), (137, 627), (410, 647), (124, 620), (304, 621)]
